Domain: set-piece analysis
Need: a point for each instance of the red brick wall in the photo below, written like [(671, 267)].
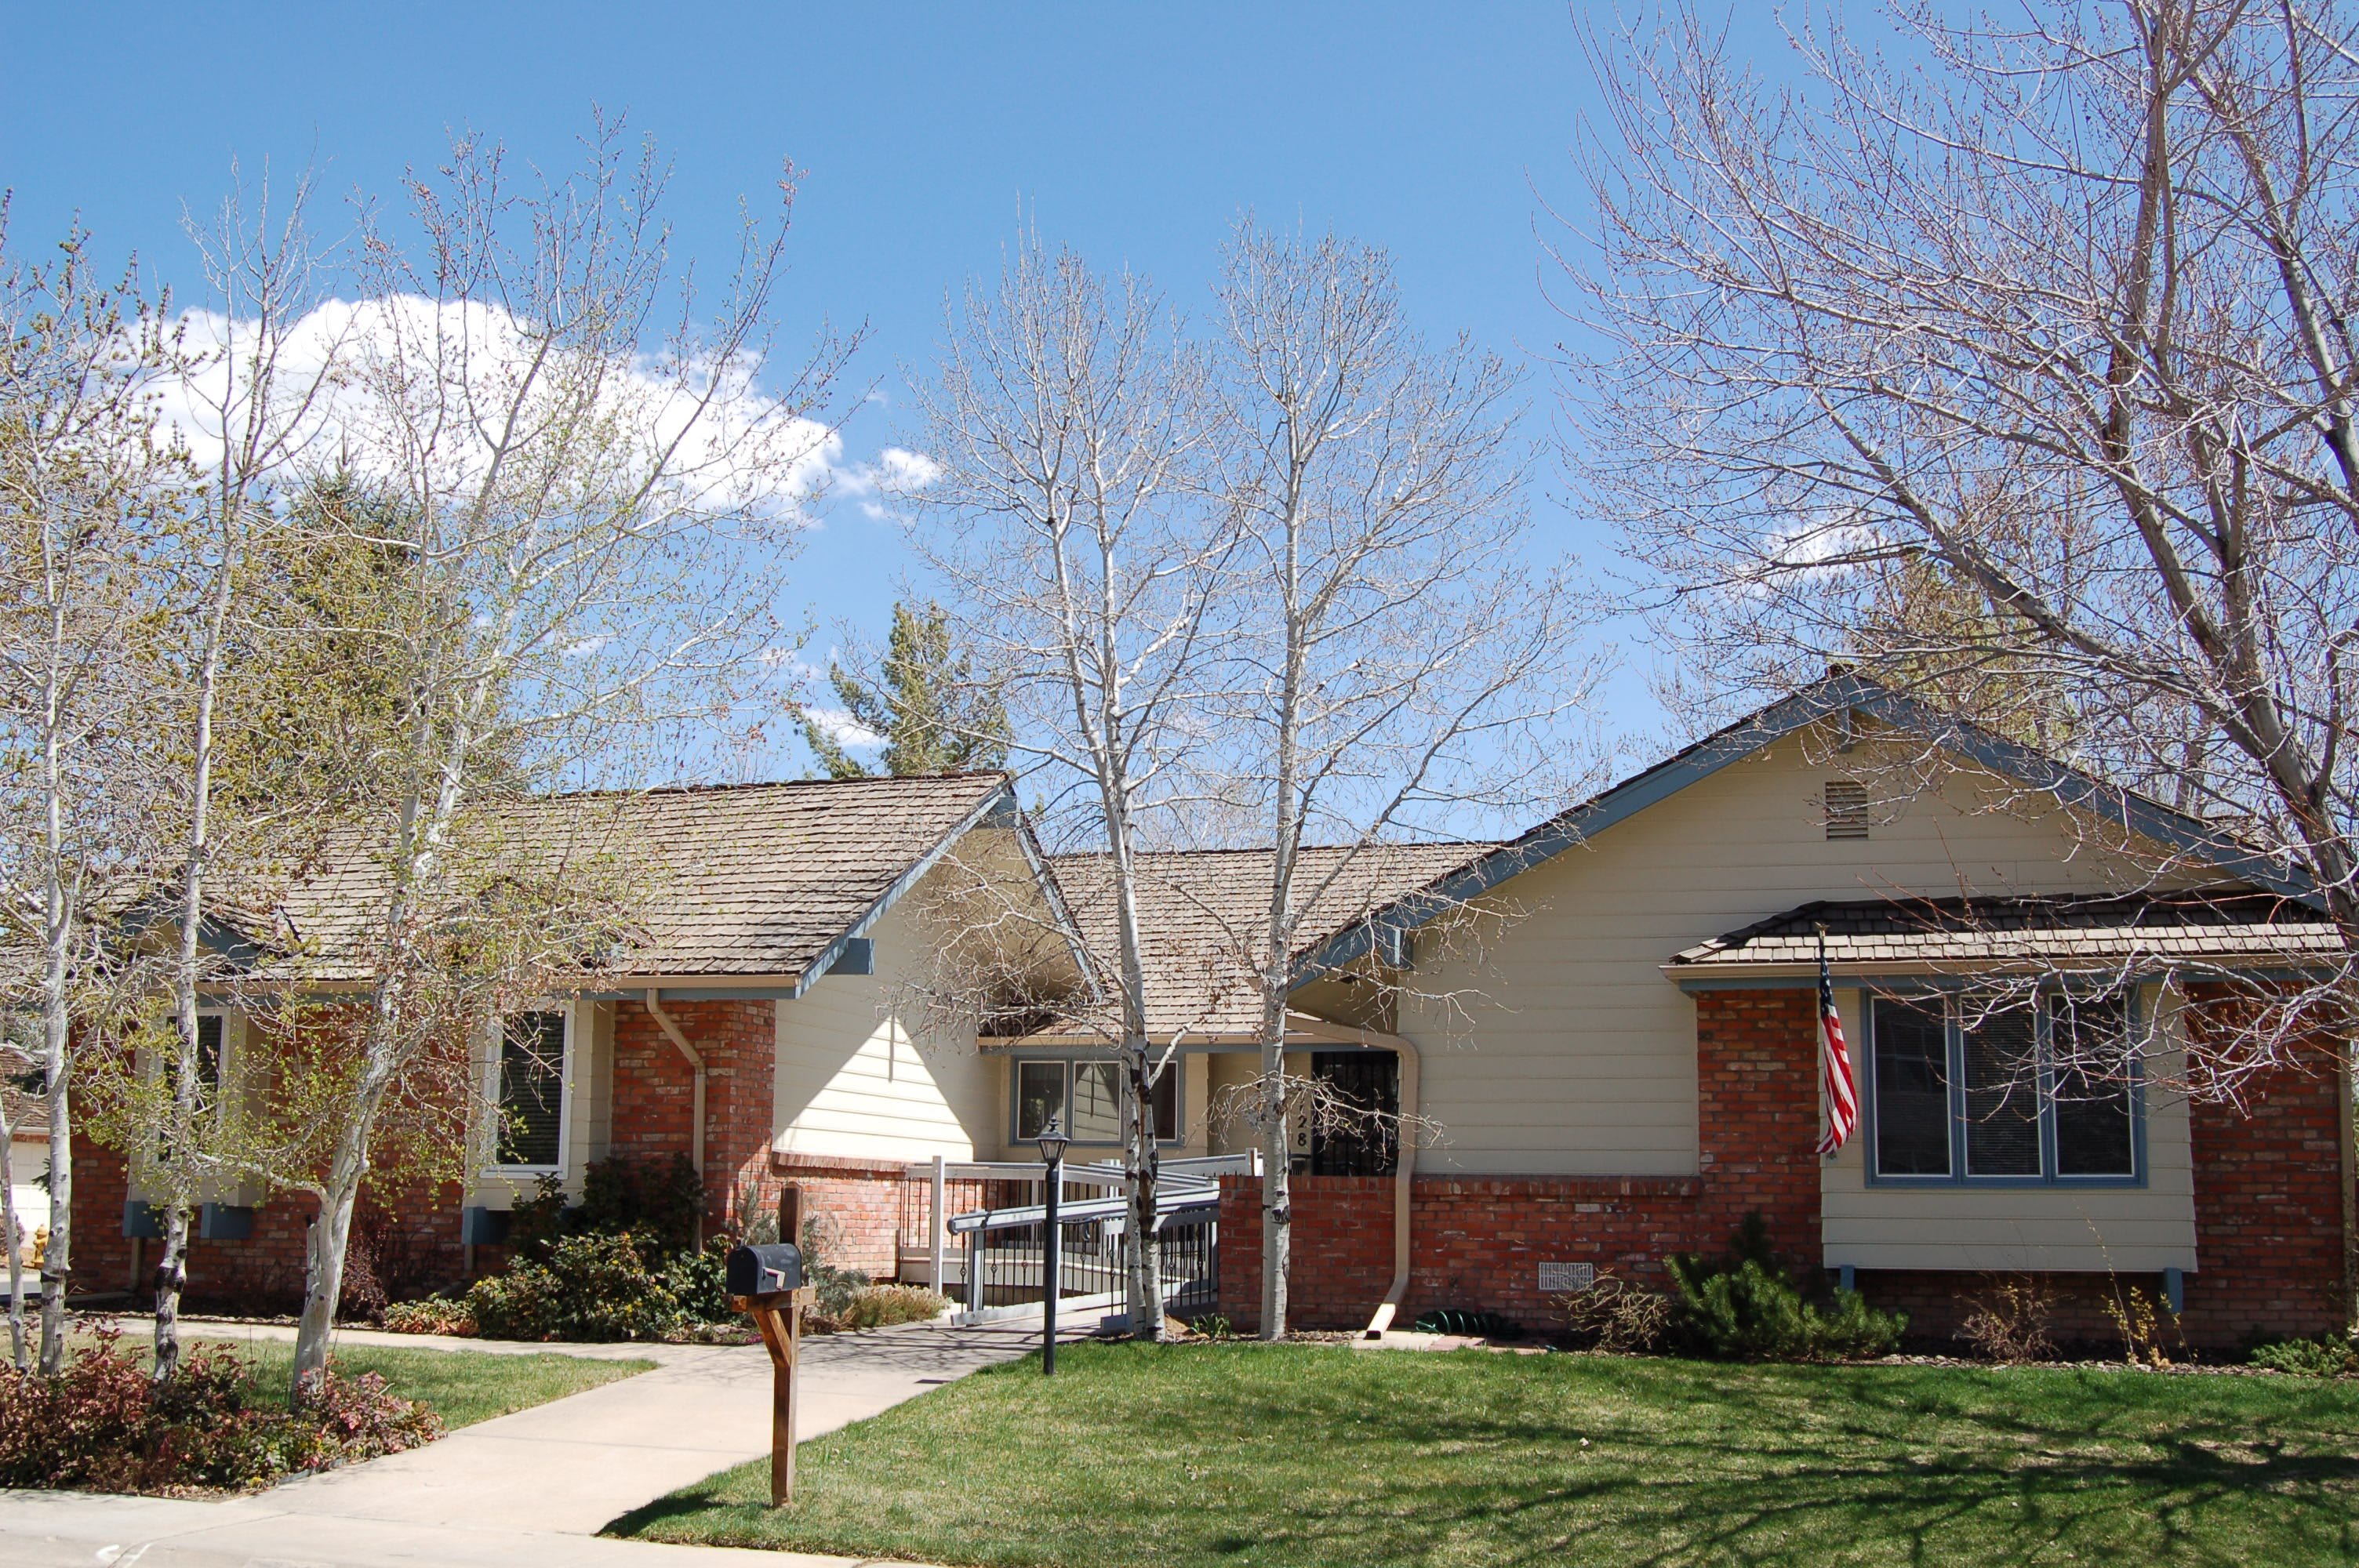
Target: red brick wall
[(1757, 1114), (1475, 1241), (1939, 1301), (265, 1272), (859, 1205), (2268, 1210), (654, 1088), (2268, 1199), (1478, 1241)]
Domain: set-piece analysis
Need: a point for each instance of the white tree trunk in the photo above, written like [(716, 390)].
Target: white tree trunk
[(1277, 1191)]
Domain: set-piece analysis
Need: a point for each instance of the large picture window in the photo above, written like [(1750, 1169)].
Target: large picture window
[(1095, 1091), (532, 1091), (1964, 1092)]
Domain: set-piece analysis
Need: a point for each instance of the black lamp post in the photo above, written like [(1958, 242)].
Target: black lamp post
[(1053, 1154)]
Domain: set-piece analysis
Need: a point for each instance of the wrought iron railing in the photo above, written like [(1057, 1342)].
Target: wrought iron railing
[(1002, 1268), (943, 1201)]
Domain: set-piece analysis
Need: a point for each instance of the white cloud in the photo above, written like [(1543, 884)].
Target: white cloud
[(353, 379), (897, 475), (843, 729)]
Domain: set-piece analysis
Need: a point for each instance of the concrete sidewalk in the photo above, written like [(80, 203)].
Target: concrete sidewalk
[(525, 1489)]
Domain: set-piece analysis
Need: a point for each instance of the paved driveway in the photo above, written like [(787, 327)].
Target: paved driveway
[(523, 1490)]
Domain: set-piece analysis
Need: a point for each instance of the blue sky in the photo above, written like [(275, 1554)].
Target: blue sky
[(925, 131)]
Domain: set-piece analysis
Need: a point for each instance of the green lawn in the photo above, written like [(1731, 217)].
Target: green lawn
[(462, 1387), (1236, 1454)]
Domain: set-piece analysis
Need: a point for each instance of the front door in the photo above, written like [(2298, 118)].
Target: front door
[(1360, 1135)]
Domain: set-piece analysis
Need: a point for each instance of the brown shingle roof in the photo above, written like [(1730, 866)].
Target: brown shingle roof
[(733, 879), (29, 1115), (1197, 912), (2233, 923)]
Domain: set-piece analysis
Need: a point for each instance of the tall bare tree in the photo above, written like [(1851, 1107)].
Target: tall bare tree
[(256, 393), (1403, 654), (87, 488), (1068, 420), (586, 503), (2051, 312)]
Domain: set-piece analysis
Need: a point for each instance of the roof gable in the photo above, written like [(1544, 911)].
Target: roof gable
[(1840, 693), (770, 881)]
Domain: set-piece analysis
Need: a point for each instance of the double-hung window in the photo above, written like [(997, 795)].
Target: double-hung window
[(1960, 1091), (531, 1091), (1089, 1095)]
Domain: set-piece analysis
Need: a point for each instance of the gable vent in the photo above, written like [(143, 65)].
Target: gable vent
[(1846, 809)]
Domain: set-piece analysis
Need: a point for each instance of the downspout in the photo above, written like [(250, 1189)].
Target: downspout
[(695, 1060)]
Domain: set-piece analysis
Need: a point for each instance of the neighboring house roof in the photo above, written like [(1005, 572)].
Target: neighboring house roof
[(29, 1114), (1841, 693), (769, 880), (2236, 923), (1199, 911)]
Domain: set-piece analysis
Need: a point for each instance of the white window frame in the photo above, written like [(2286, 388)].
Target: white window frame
[(563, 1169), (1016, 1099), (232, 1029)]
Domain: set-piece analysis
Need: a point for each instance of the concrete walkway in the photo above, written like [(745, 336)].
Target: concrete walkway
[(523, 1490)]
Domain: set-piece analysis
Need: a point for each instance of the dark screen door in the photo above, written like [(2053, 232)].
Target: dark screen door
[(1362, 1144)]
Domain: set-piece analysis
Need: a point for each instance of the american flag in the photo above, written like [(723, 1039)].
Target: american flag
[(1834, 1064)]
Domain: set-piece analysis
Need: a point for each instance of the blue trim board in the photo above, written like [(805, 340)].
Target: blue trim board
[(1844, 692)]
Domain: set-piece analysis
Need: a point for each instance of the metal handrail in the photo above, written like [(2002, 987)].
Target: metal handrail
[(1167, 1204)]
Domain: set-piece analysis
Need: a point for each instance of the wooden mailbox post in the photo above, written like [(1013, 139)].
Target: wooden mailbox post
[(778, 1316)]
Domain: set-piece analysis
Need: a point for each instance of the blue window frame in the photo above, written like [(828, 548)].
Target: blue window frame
[(2042, 1094)]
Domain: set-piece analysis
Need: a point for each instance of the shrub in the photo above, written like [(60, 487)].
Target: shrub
[(2009, 1324), (101, 1426), (588, 1288), (1742, 1307), (882, 1307), (2328, 1356), (1617, 1316), (698, 1282), (435, 1315), (658, 1201), (2145, 1324), (834, 1288)]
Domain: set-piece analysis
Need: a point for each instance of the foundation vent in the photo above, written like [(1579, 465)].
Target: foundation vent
[(1563, 1279)]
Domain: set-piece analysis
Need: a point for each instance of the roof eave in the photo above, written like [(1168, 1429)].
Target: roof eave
[(1845, 693)]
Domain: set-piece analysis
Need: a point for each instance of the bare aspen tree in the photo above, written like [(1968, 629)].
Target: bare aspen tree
[(1403, 658), (1068, 421), (584, 504), (2013, 359), (256, 399), (85, 489)]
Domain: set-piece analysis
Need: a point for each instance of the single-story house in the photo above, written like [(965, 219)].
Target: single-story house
[(1626, 1065), (1605, 1029), (761, 1025)]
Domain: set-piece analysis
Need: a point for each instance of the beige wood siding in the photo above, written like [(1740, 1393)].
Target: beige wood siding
[(1576, 1056), (2079, 1229), (854, 1079)]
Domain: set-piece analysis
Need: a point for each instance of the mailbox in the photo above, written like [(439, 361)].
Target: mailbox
[(766, 1270)]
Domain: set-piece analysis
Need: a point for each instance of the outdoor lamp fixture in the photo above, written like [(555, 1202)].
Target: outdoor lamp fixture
[(1052, 1154)]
